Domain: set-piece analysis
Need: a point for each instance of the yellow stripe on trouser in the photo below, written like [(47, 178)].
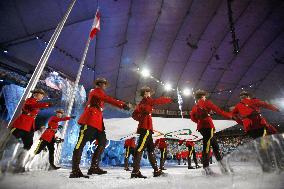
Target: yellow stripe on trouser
[(190, 152), (127, 152), (208, 142), (263, 141), (37, 148), (12, 130), (81, 137), (143, 141), (164, 153), (264, 132)]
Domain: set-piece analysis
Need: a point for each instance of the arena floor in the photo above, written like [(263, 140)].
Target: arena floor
[(177, 177)]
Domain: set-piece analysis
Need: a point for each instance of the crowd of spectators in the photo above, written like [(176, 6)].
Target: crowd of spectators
[(227, 145), (230, 143)]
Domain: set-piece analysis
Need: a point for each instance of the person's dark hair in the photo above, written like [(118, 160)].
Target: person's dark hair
[(245, 94), (99, 81), (199, 94), (145, 89)]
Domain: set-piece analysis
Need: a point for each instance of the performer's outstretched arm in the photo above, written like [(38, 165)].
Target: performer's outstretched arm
[(110, 100), (31, 104), (161, 100), (265, 105), (218, 110)]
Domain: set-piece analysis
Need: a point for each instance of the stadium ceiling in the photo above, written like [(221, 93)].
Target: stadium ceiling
[(187, 43)]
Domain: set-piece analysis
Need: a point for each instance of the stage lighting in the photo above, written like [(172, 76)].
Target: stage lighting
[(168, 87), (5, 51), (145, 73), (186, 92)]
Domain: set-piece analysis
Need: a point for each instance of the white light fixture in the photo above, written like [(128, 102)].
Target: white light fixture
[(5, 51), (145, 73), (168, 87), (186, 92)]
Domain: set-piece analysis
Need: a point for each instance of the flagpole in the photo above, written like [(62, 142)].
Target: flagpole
[(36, 74), (70, 105), (180, 101)]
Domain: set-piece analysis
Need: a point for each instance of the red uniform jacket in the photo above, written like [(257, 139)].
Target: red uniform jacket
[(189, 143), (130, 143), (178, 155), (161, 143), (26, 121), (49, 133), (92, 114), (145, 108), (243, 112), (184, 154), (205, 121)]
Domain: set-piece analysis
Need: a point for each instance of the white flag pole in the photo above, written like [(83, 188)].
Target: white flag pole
[(180, 101), (70, 106)]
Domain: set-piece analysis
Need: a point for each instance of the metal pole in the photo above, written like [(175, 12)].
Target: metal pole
[(37, 73), (70, 106)]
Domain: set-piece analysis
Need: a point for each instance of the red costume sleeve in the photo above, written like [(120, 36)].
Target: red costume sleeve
[(64, 119), (109, 100), (218, 110), (263, 104), (32, 104), (161, 100)]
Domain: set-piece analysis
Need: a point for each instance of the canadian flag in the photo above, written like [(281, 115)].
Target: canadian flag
[(96, 25)]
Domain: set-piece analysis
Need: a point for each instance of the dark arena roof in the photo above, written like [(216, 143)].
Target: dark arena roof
[(187, 43)]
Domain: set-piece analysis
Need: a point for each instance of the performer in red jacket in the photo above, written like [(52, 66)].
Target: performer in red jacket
[(129, 146), (162, 146), (190, 145), (143, 114), (48, 138), (178, 156), (92, 127), (247, 113), (184, 155), (200, 114), (24, 126)]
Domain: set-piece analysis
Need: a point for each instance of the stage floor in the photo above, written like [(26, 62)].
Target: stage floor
[(177, 177)]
